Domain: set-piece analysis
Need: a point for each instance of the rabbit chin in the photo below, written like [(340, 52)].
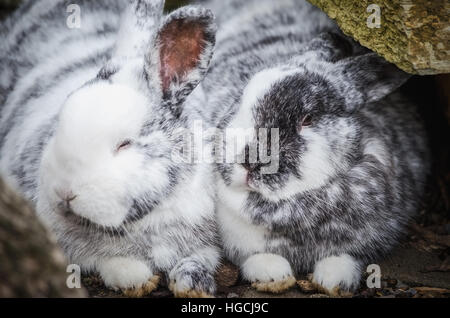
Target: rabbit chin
[(92, 204), (292, 187), (96, 211), (106, 213)]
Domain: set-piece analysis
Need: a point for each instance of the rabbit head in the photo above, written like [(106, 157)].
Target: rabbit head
[(108, 161), (305, 112)]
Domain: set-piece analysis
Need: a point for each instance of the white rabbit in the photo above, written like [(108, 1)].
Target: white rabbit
[(86, 134)]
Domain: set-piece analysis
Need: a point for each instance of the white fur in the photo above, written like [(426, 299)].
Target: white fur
[(235, 226), (337, 271), (266, 268), (82, 158), (124, 272)]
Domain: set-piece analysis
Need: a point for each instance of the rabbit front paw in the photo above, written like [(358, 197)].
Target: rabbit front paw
[(191, 279), (133, 277), (268, 273), (337, 275)]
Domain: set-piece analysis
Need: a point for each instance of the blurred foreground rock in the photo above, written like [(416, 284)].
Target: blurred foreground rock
[(31, 265)]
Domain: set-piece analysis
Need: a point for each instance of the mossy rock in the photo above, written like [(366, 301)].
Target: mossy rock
[(413, 34)]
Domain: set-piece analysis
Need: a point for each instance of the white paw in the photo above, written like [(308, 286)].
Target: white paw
[(124, 273), (268, 272), (337, 273)]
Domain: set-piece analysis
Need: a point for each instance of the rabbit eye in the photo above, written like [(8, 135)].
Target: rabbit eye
[(307, 121), (124, 144)]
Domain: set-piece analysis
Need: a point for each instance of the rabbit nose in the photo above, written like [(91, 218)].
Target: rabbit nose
[(70, 198), (66, 196)]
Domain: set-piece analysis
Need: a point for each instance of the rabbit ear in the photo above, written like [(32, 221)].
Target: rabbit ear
[(365, 78), (139, 24), (328, 47), (185, 43)]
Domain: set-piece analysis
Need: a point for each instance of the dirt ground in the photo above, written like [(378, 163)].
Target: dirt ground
[(417, 268)]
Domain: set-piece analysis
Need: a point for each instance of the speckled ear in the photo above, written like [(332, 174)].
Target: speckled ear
[(327, 46), (366, 78), (186, 41)]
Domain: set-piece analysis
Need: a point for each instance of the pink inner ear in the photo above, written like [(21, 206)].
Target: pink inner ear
[(181, 46)]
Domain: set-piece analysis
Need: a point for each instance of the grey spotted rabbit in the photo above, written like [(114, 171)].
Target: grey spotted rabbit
[(87, 116), (350, 158)]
